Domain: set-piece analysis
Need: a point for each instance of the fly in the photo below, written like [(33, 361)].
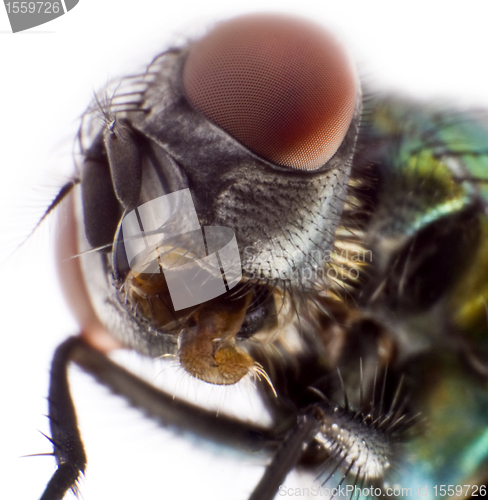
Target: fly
[(356, 295)]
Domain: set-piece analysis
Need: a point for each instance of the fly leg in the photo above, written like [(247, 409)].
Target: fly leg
[(66, 439), (169, 411), (68, 447), (288, 455), (358, 445)]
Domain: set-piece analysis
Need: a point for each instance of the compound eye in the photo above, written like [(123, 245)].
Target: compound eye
[(283, 87)]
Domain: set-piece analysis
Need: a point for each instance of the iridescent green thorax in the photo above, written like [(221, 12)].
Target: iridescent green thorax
[(428, 233), (432, 163)]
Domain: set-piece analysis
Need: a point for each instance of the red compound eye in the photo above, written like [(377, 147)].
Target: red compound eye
[(283, 87)]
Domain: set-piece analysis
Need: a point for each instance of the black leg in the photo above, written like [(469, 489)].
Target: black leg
[(286, 458), (68, 447), (169, 411)]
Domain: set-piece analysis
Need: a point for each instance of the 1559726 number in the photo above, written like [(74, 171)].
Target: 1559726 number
[(33, 7), (458, 490)]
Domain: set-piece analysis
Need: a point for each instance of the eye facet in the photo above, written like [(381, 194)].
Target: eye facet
[(284, 87)]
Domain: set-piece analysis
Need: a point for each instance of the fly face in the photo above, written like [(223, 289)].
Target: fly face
[(284, 208), (350, 363)]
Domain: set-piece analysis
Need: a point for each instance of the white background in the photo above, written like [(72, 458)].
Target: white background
[(48, 75)]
